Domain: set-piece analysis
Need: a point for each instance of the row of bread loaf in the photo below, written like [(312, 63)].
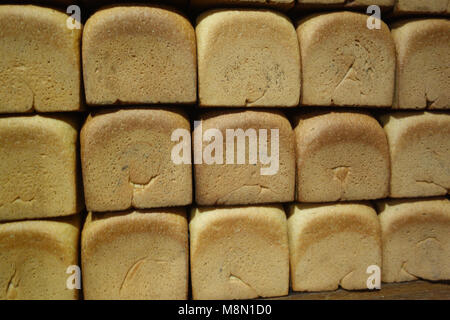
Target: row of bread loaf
[(142, 158), (238, 252), (242, 58)]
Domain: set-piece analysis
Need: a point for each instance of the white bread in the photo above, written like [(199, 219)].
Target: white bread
[(34, 258), (126, 160), (38, 167), (247, 58), (135, 255), (39, 60), (332, 245), (423, 71), (239, 252), (419, 144), (351, 65), (416, 239), (232, 184), (422, 6), (340, 156), (139, 54)]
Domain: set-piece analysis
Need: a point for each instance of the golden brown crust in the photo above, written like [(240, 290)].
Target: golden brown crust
[(139, 54), (126, 160), (247, 58), (423, 52), (40, 65), (344, 63), (233, 184)]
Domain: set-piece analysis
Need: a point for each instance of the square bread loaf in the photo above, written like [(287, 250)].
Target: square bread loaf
[(422, 6), (38, 167), (333, 245), (139, 255), (416, 239), (340, 156), (39, 60), (247, 58), (247, 157), (35, 257), (351, 65), (239, 252), (419, 144), (423, 64), (126, 158), (139, 54)]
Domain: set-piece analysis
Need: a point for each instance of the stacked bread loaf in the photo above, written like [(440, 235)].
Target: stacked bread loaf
[(246, 151)]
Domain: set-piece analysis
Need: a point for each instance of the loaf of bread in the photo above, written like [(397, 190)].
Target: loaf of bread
[(39, 60), (416, 239), (35, 257), (340, 156), (38, 167), (135, 255), (249, 158), (419, 144), (422, 6), (351, 65), (423, 64), (139, 54), (247, 58), (126, 158), (239, 252), (333, 245)]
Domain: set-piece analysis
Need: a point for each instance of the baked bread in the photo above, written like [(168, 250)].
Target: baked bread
[(239, 252), (416, 239), (245, 177), (332, 245), (351, 65), (340, 156), (247, 58), (34, 258), (419, 144), (423, 69), (135, 255), (126, 160), (421, 6), (139, 54), (38, 167), (39, 60)]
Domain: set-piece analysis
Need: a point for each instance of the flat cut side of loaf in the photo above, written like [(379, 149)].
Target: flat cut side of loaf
[(38, 167), (126, 160), (139, 54), (233, 184), (344, 63), (416, 239), (419, 144), (341, 156), (239, 252), (140, 255), (420, 6), (423, 64), (34, 257), (247, 58), (39, 60), (332, 245)]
